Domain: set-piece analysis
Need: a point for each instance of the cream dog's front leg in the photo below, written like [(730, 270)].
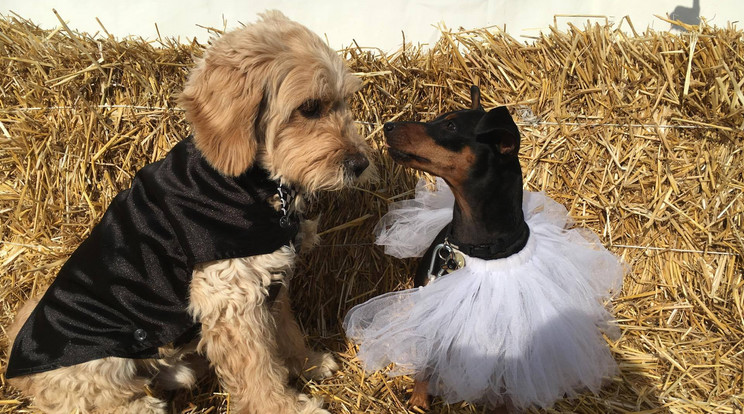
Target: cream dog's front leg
[(239, 333)]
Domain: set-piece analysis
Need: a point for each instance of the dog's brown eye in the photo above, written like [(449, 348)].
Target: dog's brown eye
[(451, 126), (310, 108)]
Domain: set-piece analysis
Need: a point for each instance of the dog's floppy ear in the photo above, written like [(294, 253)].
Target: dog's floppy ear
[(223, 106), (475, 98), (497, 128)]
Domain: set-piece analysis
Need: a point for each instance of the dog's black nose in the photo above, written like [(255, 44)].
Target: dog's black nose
[(356, 163), (389, 126)]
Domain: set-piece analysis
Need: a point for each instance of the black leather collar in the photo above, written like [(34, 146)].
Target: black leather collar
[(498, 249)]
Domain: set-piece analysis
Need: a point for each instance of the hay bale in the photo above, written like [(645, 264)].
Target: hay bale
[(640, 137)]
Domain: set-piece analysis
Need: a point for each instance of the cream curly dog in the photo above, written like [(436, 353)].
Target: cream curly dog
[(195, 257)]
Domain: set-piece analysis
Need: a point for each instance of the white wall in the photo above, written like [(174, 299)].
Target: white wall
[(372, 23)]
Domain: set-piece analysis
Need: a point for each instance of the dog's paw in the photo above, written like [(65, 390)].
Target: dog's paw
[(320, 365), (420, 396), (420, 401), (174, 377), (309, 234), (308, 405)]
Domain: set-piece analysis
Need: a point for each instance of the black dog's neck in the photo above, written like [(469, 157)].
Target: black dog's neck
[(487, 220)]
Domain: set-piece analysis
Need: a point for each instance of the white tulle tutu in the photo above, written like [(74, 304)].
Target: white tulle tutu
[(523, 329), (410, 226)]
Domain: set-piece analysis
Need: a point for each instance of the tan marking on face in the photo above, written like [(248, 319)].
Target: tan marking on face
[(458, 176), (453, 166), (413, 139)]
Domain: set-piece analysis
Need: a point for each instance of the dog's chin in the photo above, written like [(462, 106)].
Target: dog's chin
[(407, 159), (339, 180)]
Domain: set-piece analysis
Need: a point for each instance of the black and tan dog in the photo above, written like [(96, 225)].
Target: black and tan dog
[(475, 152)]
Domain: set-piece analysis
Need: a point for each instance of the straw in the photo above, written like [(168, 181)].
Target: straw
[(640, 136)]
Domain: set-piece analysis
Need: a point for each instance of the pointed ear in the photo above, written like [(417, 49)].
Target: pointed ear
[(475, 98), (223, 105), (497, 128)]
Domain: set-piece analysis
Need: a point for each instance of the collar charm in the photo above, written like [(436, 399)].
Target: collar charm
[(445, 259), (286, 196)]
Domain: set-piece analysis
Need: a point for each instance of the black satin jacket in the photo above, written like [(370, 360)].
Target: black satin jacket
[(124, 291)]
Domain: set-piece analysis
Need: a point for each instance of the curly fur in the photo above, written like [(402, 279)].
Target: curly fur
[(264, 75), (270, 93)]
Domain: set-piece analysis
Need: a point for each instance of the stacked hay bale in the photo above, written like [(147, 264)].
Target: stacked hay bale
[(640, 136)]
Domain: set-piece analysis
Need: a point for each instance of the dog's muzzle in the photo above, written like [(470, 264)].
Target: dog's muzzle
[(356, 163)]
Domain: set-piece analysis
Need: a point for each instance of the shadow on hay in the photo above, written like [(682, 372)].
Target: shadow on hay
[(347, 268), (688, 15)]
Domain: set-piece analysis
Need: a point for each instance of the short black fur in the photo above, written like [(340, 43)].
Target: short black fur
[(487, 220)]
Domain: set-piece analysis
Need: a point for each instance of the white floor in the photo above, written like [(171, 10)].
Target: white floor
[(372, 24)]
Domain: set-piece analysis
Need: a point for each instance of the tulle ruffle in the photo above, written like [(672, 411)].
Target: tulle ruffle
[(525, 328), (410, 226)]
